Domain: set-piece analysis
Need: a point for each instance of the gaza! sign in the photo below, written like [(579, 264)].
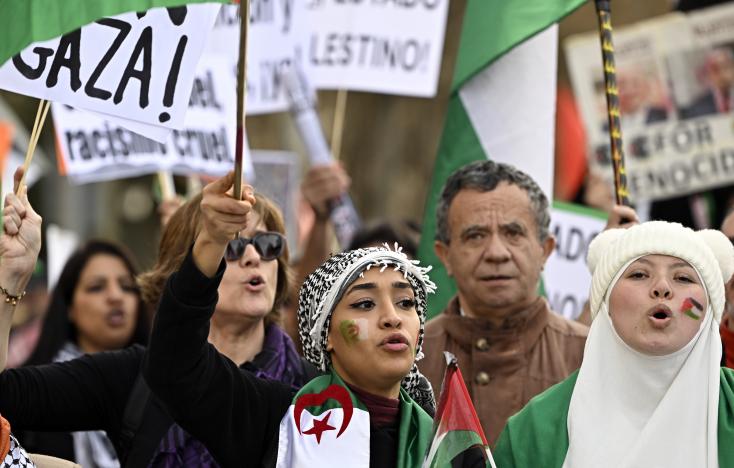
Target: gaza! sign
[(138, 66)]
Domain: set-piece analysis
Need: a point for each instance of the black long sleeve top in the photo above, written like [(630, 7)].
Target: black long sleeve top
[(235, 414)]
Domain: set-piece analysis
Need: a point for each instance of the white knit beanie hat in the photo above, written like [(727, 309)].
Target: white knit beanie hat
[(709, 252)]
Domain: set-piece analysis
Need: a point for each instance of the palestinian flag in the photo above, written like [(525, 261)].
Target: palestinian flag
[(327, 425), (29, 21), (502, 104), (692, 308), (458, 438)]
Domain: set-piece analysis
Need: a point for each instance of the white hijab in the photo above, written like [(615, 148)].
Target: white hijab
[(631, 410)]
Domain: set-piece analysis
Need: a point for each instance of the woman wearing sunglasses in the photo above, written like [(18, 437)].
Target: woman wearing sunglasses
[(106, 391), (360, 318)]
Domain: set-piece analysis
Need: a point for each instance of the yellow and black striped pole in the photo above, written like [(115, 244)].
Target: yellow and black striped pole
[(610, 81)]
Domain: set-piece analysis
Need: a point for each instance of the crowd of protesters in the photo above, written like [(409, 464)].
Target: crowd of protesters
[(204, 359)]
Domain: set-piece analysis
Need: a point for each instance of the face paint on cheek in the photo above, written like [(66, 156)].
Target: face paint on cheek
[(692, 308), (353, 330)]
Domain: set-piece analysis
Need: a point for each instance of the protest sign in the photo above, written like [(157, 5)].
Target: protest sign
[(675, 77), (277, 177), (60, 244), (382, 46), (566, 278), (271, 48), (94, 149), (138, 66)]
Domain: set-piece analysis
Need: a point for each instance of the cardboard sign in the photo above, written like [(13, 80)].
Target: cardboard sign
[(675, 79), (138, 66), (566, 277), (94, 149), (271, 47), (382, 46)]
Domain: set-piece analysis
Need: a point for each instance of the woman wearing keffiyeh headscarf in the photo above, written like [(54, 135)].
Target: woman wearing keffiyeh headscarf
[(361, 317), (650, 391)]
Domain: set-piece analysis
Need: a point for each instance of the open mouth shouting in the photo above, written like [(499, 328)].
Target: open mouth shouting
[(660, 316), (255, 283)]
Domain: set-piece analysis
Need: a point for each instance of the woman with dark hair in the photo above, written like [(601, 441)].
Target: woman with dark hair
[(106, 391), (360, 317), (95, 306)]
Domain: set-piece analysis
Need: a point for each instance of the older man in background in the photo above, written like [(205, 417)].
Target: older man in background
[(492, 237)]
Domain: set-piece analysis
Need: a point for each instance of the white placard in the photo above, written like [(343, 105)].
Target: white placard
[(60, 244), (94, 149), (566, 278), (383, 46), (138, 66), (675, 82), (271, 47)]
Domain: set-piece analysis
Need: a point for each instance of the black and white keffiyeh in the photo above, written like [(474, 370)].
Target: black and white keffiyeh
[(323, 289), (16, 456)]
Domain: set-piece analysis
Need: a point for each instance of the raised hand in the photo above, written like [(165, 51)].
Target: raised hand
[(621, 216), (20, 241), (222, 217), (322, 185)]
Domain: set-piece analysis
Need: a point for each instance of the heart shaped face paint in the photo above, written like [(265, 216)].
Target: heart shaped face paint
[(692, 308)]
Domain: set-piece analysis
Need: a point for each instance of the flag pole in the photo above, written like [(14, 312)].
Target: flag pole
[(43, 107), (241, 98), (165, 181), (337, 129), (603, 10)]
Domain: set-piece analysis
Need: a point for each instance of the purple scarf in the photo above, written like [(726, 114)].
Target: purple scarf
[(278, 360)]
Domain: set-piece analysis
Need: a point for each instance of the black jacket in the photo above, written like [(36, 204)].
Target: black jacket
[(235, 414)]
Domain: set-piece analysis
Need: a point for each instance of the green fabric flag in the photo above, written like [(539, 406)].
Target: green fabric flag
[(502, 102), (458, 438), (327, 424), (29, 21)]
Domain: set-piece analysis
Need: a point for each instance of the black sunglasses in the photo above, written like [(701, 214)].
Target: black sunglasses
[(269, 245)]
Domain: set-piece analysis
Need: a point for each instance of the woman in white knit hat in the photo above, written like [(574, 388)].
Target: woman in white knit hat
[(650, 392)]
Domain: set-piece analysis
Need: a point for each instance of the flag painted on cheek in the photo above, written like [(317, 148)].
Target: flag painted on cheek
[(692, 308), (353, 330)]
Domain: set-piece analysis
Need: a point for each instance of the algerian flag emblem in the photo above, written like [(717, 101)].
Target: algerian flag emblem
[(334, 392)]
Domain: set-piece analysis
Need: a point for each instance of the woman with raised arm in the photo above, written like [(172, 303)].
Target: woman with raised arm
[(20, 243), (105, 391), (360, 317), (650, 391)]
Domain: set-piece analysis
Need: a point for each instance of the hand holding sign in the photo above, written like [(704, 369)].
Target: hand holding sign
[(323, 185), (222, 217), (21, 239), (622, 216)]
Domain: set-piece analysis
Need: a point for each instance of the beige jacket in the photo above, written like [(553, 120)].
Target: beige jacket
[(505, 367)]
